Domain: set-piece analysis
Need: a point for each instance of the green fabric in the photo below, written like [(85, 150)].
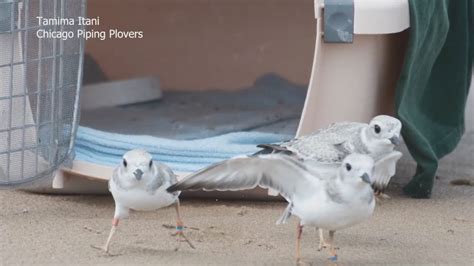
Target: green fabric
[(434, 83)]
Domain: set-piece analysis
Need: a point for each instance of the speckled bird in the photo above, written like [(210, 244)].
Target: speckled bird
[(332, 144)]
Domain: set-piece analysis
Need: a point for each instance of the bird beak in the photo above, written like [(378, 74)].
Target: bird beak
[(138, 174), (395, 140), (365, 177)]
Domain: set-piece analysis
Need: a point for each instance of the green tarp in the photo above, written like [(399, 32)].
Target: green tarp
[(434, 84)]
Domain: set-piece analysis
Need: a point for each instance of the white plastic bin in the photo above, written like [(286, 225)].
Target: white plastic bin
[(354, 82)]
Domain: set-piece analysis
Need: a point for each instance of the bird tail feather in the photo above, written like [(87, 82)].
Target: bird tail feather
[(286, 214), (271, 148)]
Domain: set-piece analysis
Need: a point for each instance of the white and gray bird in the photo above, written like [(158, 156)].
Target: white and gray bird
[(139, 183), (332, 144), (332, 200)]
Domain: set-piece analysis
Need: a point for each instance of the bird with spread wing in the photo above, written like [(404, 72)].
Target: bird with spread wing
[(333, 200)]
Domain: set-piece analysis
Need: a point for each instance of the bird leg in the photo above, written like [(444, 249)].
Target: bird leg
[(332, 248), (180, 227), (115, 222), (322, 243), (383, 196), (380, 196), (299, 231)]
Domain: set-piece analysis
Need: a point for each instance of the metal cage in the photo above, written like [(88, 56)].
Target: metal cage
[(40, 79)]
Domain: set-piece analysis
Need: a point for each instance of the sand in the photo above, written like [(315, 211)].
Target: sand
[(50, 229)]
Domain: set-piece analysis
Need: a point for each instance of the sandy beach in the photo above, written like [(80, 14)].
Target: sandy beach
[(55, 229)]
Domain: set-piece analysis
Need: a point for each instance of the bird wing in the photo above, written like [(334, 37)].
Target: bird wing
[(282, 173), (115, 179), (164, 175), (319, 145), (384, 169), (328, 145)]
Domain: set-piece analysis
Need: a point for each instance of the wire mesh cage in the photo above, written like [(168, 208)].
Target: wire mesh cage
[(40, 78)]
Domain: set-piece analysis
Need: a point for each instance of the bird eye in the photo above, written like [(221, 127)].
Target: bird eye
[(124, 162), (377, 129), (151, 163), (348, 167)]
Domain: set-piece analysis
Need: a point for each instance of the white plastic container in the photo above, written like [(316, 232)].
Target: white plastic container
[(354, 82)]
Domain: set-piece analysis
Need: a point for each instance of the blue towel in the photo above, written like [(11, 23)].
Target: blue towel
[(106, 148)]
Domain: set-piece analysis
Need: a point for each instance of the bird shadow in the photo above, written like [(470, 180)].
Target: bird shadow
[(141, 250)]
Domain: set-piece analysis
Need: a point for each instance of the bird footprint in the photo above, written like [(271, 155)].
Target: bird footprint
[(106, 253)]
